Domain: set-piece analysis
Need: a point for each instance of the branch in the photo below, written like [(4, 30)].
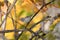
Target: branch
[(33, 17), (7, 13), (7, 31), (39, 11), (39, 22)]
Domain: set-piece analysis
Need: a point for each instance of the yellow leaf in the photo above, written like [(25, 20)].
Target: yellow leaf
[(38, 17)]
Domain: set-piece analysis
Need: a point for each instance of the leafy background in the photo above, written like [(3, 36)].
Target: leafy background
[(26, 8)]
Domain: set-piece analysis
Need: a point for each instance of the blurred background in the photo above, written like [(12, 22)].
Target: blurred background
[(29, 19)]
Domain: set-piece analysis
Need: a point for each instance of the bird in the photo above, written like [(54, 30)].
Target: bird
[(26, 19)]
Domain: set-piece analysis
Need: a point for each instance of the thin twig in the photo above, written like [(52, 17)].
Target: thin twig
[(43, 2), (14, 19), (34, 16), (4, 24), (38, 22), (7, 31), (39, 11), (15, 23), (32, 37), (19, 35), (7, 13)]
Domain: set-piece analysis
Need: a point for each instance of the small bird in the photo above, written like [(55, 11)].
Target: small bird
[(26, 19)]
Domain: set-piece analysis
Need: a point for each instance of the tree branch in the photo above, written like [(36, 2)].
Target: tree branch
[(39, 11), (7, 13)]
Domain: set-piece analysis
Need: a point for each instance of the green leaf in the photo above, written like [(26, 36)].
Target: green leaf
[(57, 3), (21, 12), (29, 13), (50, 36), (22, 26), (52, 27), (24, 36)]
